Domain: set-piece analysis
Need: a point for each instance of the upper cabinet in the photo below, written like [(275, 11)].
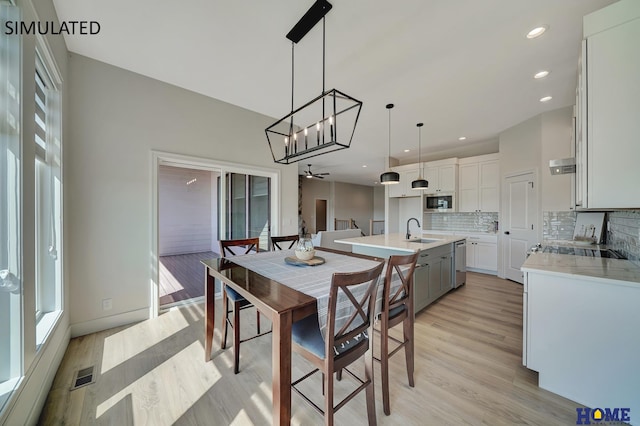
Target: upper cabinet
[(478, 183), (611, 60), (442, 176), (403, 188)]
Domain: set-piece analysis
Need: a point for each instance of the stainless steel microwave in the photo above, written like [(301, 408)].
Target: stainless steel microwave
[(439, 203)]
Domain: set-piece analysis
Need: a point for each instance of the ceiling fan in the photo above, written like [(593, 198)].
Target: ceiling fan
[(309, 174)]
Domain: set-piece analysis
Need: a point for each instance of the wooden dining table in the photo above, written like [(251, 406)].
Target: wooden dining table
[(282, 304)]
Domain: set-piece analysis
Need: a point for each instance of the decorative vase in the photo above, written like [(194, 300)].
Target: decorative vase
[(304, 249)]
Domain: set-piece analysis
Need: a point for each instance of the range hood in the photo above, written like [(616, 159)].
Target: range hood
[(562, 166)]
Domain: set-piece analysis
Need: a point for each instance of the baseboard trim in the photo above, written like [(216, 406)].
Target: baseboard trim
[(105, 323)]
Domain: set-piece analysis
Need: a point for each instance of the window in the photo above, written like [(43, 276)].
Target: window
[(48, 201), (10, 211)]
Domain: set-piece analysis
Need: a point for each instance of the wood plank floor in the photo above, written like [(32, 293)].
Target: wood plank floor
[(468, 371), (181, 276)]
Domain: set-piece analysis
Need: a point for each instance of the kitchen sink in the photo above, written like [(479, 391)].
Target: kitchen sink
[(424, 240)]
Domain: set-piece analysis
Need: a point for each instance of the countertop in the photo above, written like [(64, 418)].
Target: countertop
[(616, 271), (398, 241)]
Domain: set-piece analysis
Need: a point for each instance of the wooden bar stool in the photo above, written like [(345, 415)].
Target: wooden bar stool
[(343, 346), (237, 301)]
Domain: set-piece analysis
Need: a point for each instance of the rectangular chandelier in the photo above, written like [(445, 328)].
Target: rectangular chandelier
[(324, 124)]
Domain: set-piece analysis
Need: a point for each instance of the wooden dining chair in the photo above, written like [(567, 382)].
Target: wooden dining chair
[(238, 303), (397, 307), (344, 344), (278, 242)]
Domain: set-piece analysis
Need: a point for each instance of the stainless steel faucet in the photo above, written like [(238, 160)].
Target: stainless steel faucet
[(410, 219)]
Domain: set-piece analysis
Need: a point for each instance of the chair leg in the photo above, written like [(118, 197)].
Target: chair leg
[(384, 366), (339, 375), (225, 316), (236, 337), (328, 399), (370, 389), (408, 348), (257, 321)]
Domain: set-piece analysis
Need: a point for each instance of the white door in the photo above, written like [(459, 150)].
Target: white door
[(519, 218)]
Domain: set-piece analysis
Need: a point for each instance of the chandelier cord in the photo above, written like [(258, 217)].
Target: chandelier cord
[(292, 86)]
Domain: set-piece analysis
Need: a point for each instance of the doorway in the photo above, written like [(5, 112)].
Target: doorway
[(187, 229), (520, 208), (263, 195), (321, 215)]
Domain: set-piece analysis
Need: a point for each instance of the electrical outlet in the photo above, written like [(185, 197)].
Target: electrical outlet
[(107, 304)]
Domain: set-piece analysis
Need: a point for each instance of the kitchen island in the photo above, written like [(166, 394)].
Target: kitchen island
[(434, 275), (580, 328)]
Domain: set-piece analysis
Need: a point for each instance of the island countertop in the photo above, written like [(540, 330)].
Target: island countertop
[(398, 241)]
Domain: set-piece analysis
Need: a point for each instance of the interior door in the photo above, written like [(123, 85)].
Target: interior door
[(321, 215), (519, 218)]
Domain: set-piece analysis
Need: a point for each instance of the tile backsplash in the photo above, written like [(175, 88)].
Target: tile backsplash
[(469, 222), (623, 233), (558, 225), (623, 230)]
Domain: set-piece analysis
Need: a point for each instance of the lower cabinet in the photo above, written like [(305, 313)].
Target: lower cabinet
[(482, 253), (433, 276)]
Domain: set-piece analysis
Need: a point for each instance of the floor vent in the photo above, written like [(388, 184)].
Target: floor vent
[(83, 377)]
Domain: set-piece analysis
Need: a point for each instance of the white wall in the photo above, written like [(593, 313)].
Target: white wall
[(184, 210), (556, 141), (118, 118), (378, 202)]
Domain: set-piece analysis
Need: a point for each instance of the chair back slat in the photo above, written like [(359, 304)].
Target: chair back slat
[(362, 284), (247, 243), (403, 266), (277, 242)]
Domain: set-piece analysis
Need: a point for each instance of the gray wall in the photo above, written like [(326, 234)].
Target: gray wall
[(118, 118), (344, 201)]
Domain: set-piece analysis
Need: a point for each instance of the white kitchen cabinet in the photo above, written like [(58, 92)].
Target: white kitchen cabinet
[(564, 318), (478, 184), (442, 176), (482, 253), (403, 188), (612, 105)]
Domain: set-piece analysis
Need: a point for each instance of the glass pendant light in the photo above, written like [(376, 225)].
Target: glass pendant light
[(389, 177), (419, 183)]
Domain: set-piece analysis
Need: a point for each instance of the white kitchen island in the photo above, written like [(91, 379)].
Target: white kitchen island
[(581, 328)]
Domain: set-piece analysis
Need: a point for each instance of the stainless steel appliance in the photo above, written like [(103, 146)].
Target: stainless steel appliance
[(461, 263), (439, 203)]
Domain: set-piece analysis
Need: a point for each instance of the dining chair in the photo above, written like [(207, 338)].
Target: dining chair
[(238, 303), (344, 343), (397, 307), (277, 242)]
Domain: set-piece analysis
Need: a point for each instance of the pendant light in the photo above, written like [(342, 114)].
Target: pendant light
[(389, 177), (419, 183)]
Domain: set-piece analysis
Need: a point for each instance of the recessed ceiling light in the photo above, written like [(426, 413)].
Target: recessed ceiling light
[(364, 165), (546, 99), (541, 74), (537, 32), (407, 150), (462, 138)]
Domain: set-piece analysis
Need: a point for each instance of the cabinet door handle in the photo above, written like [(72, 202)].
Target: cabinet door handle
[(507, 233)]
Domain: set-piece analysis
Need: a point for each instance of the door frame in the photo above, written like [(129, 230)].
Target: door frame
[(223, 167), (502, 247)]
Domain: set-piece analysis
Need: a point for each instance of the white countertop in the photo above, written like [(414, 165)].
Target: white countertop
[(593, 268), (398, 241)]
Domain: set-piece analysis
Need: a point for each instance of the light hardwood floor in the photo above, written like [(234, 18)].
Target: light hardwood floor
[(468, 371)]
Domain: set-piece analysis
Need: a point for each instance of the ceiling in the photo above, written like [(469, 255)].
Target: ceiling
[(463, 67)]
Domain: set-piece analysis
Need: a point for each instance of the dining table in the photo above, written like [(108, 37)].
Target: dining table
[(284, 293)]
